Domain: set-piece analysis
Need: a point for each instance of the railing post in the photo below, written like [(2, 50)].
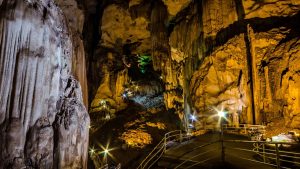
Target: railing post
[(165, 144), (277, 156), (222, 144), (255, 145), (223, 152), (180, 136), (264, 154)]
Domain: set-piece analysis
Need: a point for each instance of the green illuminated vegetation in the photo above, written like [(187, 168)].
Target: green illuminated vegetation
[(143, 62)]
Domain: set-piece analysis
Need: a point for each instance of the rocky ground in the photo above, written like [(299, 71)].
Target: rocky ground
[(277, 126), (133, 133)]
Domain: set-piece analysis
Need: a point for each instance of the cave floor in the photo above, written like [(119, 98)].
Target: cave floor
[(212, 160)]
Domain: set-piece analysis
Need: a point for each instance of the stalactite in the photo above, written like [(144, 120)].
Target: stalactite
[(159, 35), (79, 67)]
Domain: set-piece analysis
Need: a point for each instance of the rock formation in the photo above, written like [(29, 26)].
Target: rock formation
[(43, 121), (239, 72), (213, 54), (73, 11)]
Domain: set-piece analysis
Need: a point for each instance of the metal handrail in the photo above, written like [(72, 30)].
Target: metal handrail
[(199, 163), (197, 155), (245, 128), (104, 167), (246, 125), (156, 160), (277, 154), (151, 153), (161, 147), (264, 142)]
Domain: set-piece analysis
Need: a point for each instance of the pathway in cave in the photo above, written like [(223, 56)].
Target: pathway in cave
[(177, 154)]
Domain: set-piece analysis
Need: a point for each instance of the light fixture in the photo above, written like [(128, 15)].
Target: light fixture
[(104, 106), (107, 116), (105, 151), (92, 151), (124, 95), (221, 114), (193, 118), (102, 102)]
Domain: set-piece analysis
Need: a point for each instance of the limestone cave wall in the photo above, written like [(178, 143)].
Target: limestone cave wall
[(247, 62), (74, 13), (238, 55), (43, 121)]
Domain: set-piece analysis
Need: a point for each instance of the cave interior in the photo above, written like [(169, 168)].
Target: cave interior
[(89, 83)]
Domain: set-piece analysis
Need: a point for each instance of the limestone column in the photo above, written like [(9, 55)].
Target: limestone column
[(254, 79)]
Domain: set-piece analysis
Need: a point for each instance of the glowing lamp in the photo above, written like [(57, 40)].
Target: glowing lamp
[(102, 102), (92, 151), (105, 151), (124, 95), (221, 114), (193, 117)]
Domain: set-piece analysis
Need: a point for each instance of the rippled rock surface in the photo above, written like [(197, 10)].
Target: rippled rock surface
[(43, 121)]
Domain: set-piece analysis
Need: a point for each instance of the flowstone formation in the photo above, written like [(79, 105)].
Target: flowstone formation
[(251, 66), (222, 56), (74, 13), (43, 121)]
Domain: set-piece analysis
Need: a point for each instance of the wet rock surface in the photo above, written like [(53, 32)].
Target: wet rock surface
[(43, 121)]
